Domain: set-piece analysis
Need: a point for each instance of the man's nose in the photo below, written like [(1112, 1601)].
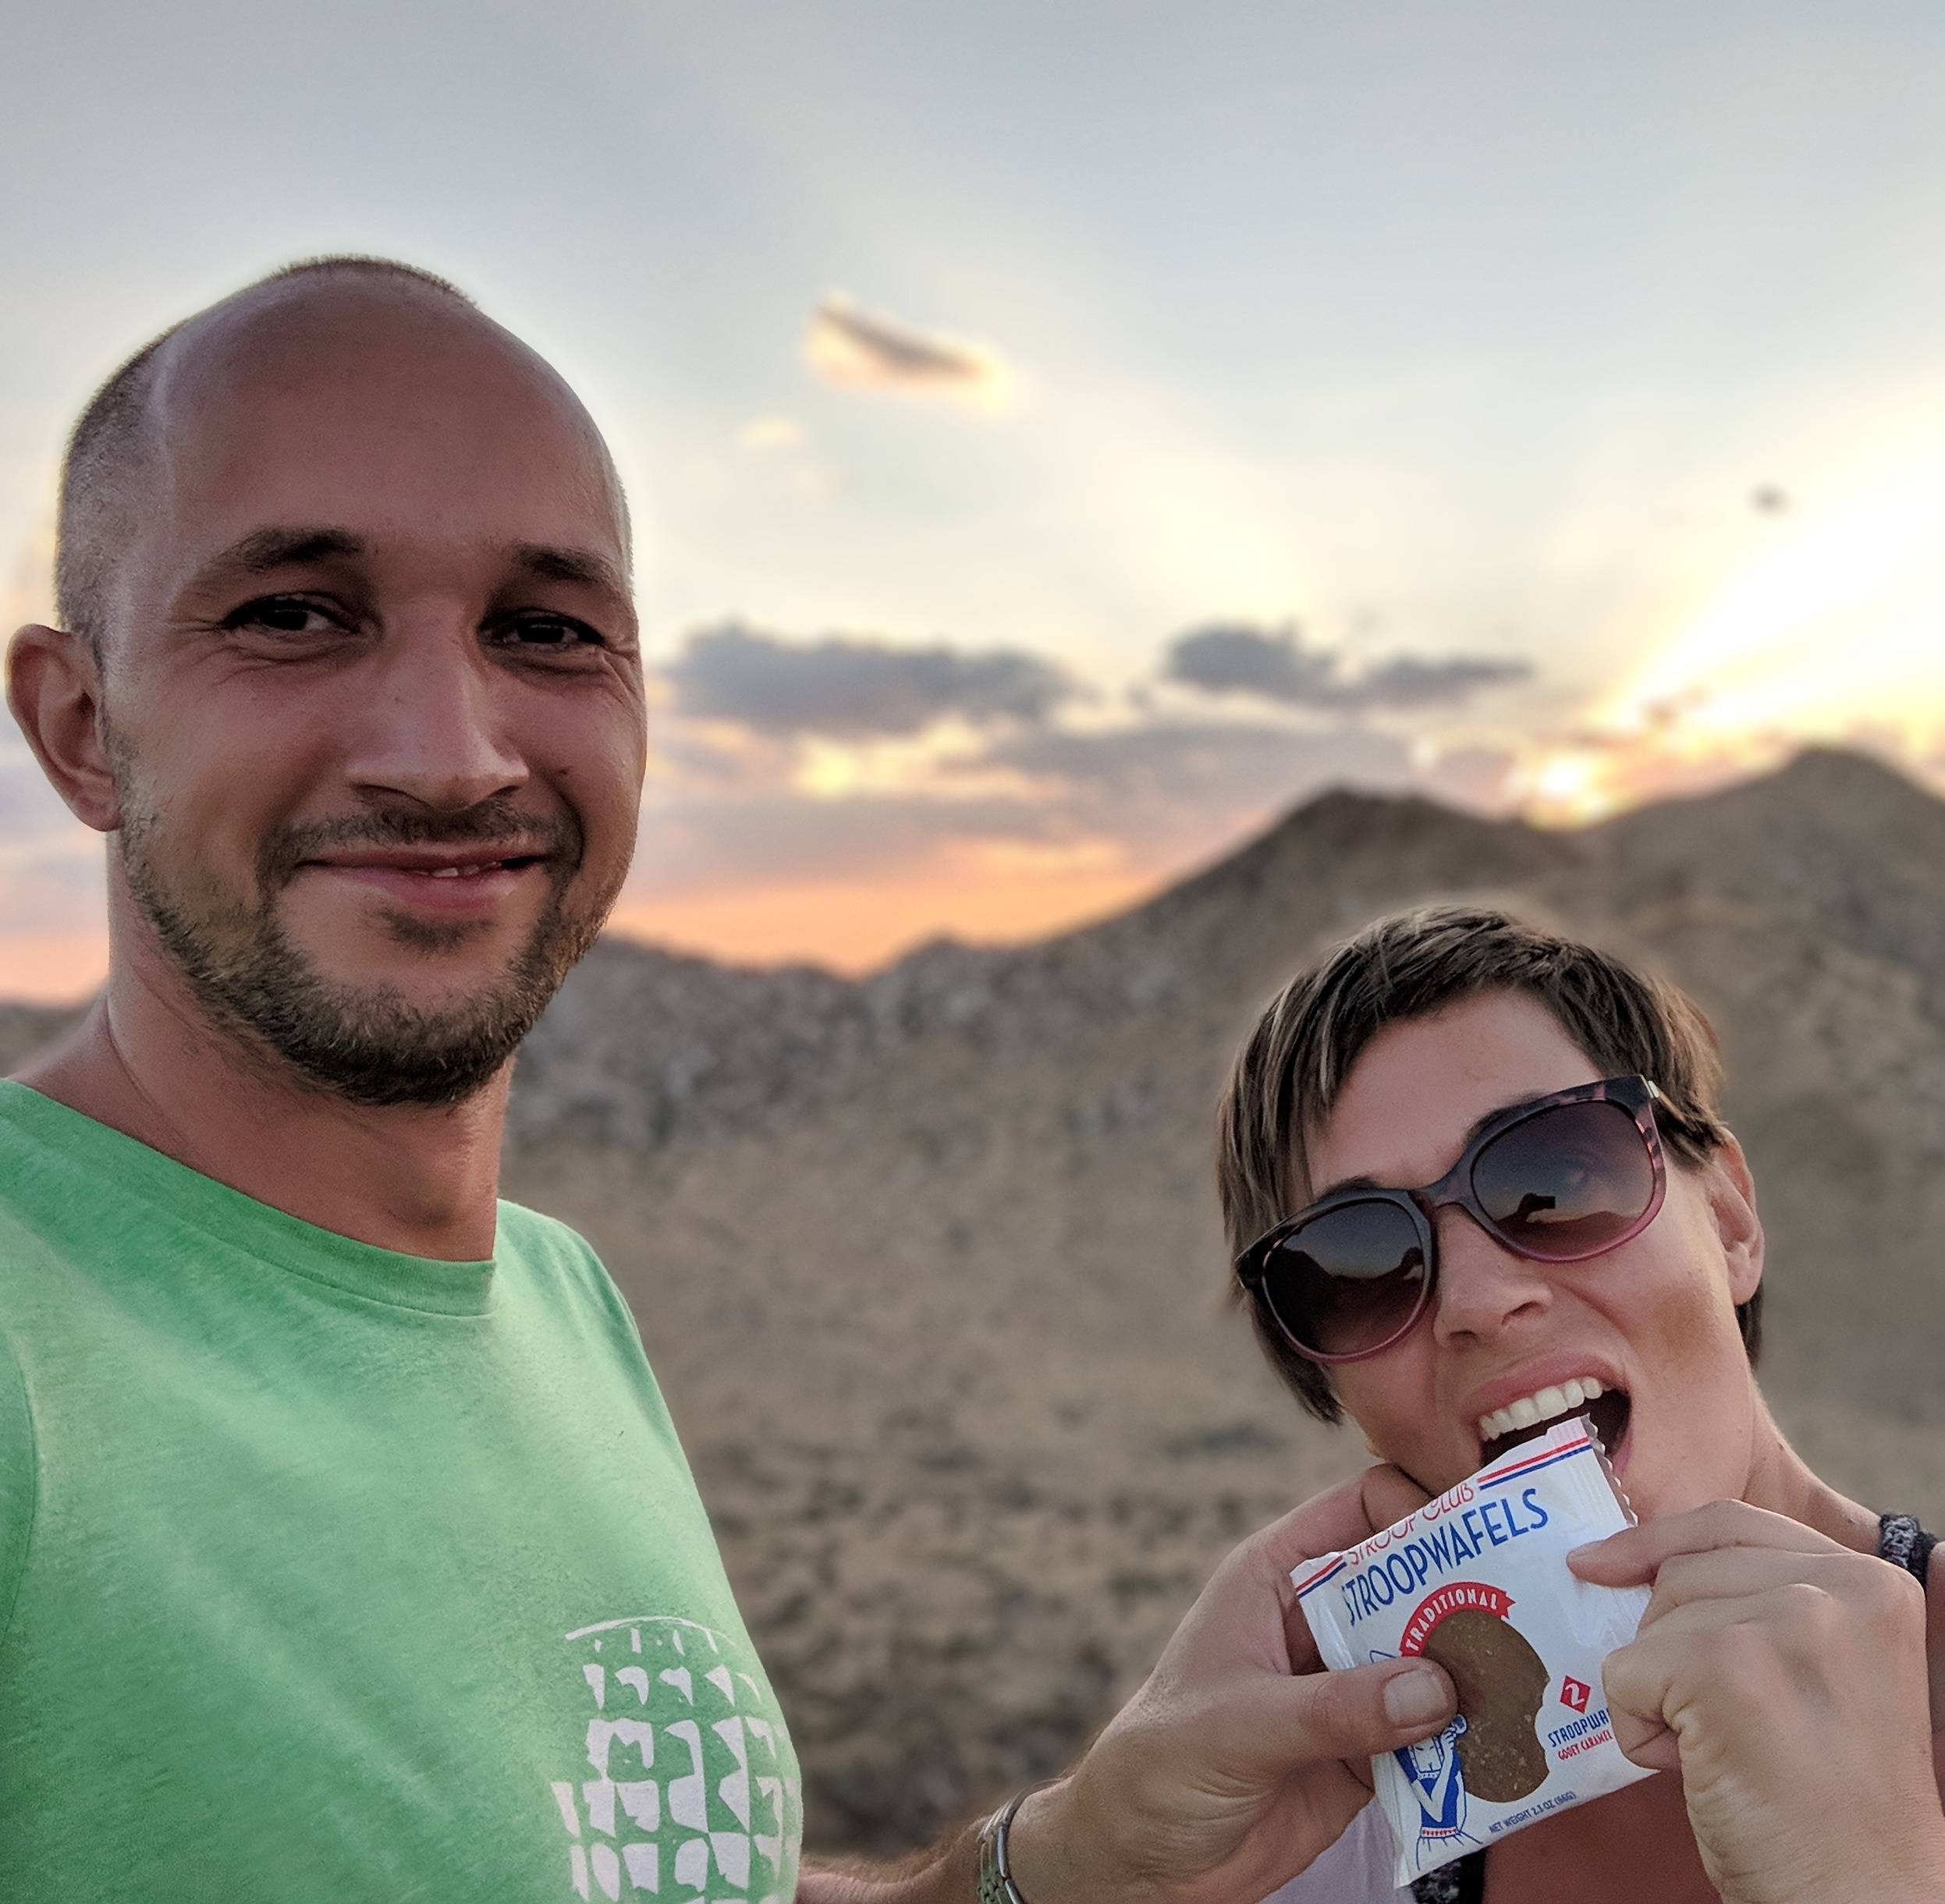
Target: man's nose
[(435, 729), (1483, 1287)]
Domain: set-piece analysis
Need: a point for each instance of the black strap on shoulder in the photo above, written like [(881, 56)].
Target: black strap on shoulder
[(1460, 1883), (1904, 1544)]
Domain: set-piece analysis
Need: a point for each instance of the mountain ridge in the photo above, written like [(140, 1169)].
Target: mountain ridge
[(928, 1264)]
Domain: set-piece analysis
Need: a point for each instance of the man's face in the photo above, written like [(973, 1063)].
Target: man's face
[(371, 686)]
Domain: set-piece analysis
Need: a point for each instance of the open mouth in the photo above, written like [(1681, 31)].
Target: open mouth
[(1609, 1409)]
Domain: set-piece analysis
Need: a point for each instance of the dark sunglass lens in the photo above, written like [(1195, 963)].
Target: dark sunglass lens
[(1568, 1182), (1348, 1279)]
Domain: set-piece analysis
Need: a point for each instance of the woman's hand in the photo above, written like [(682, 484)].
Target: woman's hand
[(1241, 1759), (1785, 1678)]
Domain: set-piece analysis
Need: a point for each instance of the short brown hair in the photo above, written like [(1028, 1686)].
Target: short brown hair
[(1294, 1065), (105, 444)]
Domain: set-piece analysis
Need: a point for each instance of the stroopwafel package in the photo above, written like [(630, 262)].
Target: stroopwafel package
[(1477, 1580)]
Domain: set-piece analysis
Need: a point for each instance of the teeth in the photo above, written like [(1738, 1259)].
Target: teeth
[(1545, 1405)]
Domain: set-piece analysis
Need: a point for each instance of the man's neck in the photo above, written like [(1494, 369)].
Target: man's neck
[(421, 1181)]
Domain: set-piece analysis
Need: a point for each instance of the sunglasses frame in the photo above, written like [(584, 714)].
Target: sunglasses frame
[(1638, 1096)]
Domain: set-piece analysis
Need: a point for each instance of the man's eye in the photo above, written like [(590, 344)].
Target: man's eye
[(282, 615), (550, 634)]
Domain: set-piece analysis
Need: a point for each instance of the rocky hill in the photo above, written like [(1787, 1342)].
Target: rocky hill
[(929, 1266)]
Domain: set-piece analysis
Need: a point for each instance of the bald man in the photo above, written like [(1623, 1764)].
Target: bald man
[(346, 1551)]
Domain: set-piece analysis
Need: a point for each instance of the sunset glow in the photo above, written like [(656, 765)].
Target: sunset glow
[(1842, 621), (856, 926), (1047, 473)]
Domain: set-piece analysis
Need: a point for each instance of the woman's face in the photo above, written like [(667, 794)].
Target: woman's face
[(1654, 1318)]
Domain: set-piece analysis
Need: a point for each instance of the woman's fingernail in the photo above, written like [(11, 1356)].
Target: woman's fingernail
[(1416, 1698)]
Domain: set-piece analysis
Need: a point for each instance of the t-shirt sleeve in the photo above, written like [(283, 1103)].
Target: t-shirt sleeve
[(584, 1280), (1356, 1870), (19, 1482)]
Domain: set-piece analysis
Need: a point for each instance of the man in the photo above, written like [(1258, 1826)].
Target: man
[(345, 1548)]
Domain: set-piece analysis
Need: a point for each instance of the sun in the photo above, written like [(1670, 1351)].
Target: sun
[(1837, 623)]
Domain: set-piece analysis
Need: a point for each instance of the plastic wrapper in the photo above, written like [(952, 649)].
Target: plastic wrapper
[(1477, 1580)]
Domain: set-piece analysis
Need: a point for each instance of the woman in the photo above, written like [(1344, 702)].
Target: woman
[(1782, 1668)]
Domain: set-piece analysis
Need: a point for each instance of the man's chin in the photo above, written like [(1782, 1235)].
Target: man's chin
[(398, 1030), (412, 952), (464, 991), (374, 1004), (380, 1049), (440, 967)]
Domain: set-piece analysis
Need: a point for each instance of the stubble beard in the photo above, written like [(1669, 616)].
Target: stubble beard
[(370, 1045)]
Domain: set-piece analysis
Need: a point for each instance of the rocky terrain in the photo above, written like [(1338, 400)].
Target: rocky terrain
[(929, 1267)]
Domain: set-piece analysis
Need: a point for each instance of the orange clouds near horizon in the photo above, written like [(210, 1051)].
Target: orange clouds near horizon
[(1003, 891), (52, 968), (856, 926)]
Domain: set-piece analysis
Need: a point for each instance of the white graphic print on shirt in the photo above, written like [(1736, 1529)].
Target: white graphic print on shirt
[(684, 1791)]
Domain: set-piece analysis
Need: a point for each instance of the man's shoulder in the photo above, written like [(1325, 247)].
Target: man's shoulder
[(556, 1255), (544, 1245), (534, 1231)]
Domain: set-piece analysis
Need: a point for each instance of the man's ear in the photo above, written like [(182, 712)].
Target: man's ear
[(1732, 1202), (53, 687)]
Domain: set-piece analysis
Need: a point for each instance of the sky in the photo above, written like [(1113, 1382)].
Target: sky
[(1063, 437)]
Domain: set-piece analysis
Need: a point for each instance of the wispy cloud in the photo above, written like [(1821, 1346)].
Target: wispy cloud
[(853, 687), (763, 434), (1280, 664), (690, 845), (864, 350), (1163, 788)]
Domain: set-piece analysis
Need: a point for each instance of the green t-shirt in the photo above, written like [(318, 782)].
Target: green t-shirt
[(329, 1573)]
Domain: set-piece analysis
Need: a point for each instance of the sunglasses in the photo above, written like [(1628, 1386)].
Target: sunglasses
[(1557, 1180)]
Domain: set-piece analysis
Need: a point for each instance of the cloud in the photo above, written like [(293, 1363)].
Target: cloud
[(780, 837), (1278, 665), (861, 350), (1478, 776), (762, 435), (1171, 787), (1147, 797), (851, 688), (1168, 758), (1232, 658)]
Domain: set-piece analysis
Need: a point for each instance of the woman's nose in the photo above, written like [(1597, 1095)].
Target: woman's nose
[(1483, 1287)]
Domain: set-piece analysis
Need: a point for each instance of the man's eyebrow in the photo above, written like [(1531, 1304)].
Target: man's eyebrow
[(546, 563), (266, 549)]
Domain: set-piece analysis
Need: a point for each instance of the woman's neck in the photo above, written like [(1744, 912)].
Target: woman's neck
[(1781, 1481)]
